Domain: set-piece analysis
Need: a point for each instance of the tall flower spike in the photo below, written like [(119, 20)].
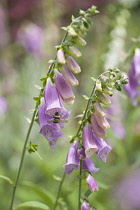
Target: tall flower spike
[(63, 88), (99, 131), (53, 103), (49, 130), (91, 183), (72, 159), (60, 56), (73, 66), (103, 149), (89, 166), (88, 141), (68, 76), (85, 206), (102, 121)]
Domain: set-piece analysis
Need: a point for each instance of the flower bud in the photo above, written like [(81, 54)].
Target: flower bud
[(74, 51), (91, 183), (60, 56), (108, 92), (63, 88), (68, 76), (73, 66), (102, 121), (71, 31), (104, 98), (99, 131), (85, 206), (98, 85), (80, 41), (98, 109)]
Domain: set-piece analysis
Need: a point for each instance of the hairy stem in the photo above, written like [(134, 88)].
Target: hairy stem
[(28, 135), (80, 184), (59, 191)]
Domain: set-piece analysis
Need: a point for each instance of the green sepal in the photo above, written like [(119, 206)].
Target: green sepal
[(32, 147)]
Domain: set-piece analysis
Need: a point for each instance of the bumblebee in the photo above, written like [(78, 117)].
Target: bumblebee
[(56, 118)]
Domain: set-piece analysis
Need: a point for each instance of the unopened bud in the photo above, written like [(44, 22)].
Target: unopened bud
[(108, 92), (74, 51), (73, 66), (98, 109), (71, 31), (80, 41), (60, 56), (98, 85), (102, 121), (104, 98)]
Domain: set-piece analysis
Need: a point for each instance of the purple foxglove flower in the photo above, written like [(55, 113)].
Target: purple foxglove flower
[(30, 37), (53, 103), (85, 206), (98, 109), (74, 51), (104, 99), (73, 66), (103, 149), (99, 131), (63, 88), (68, 76), (72, 159), (102, 121), (60, 56), (81, 153), (91, 183), (48, 129), (137, 64), (88, 141), (3, 105), (80, 41), (89, 166)]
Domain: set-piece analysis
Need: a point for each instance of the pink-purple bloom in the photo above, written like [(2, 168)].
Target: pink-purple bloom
[(85, 206), (72, 159), (3, 105), (134, 78), (89, 141), (91, 183), (89, 166)]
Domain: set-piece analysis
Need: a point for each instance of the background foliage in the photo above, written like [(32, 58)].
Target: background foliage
[(20, 69)]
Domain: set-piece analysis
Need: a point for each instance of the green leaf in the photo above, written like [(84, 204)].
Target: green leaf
[(6, 179), (38, 87), (51, 61), (93, 79), (47, 196), (57, 178), (32, 110), (43, 79), (33, 204), (85, 97), (28, 119), (64, 28), (36, 98)]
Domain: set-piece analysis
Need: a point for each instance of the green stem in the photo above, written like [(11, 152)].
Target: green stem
[(80, 184), (59, 191), (28, 134)]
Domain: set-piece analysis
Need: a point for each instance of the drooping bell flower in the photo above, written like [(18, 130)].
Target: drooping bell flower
[(81, 153), (63, 88), (53, 103), (91, 183), (60, 56), (103, 149), (73, 66), (85, 206), (72, 159), (89, 166), (68, 76), (99, 131), (48, 129), (102, 121), (88, 141)]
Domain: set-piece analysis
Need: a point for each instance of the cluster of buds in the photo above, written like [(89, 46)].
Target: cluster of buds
[(51, 113), (93, 129)]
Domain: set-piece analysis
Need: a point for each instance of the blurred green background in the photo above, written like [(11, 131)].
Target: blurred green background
[(29, 31)]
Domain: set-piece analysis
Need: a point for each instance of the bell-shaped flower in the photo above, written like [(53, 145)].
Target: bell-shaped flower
[(68, 76), (85, 206), (63, 88), (98, 109), (60, 56), (88, 141), (99, 131), (91, 183), (48, 129), (102, 121), (53, 103), (81, 153), (73, 66), (89, 166), (103, 149), (136, 61), (72, 159)]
